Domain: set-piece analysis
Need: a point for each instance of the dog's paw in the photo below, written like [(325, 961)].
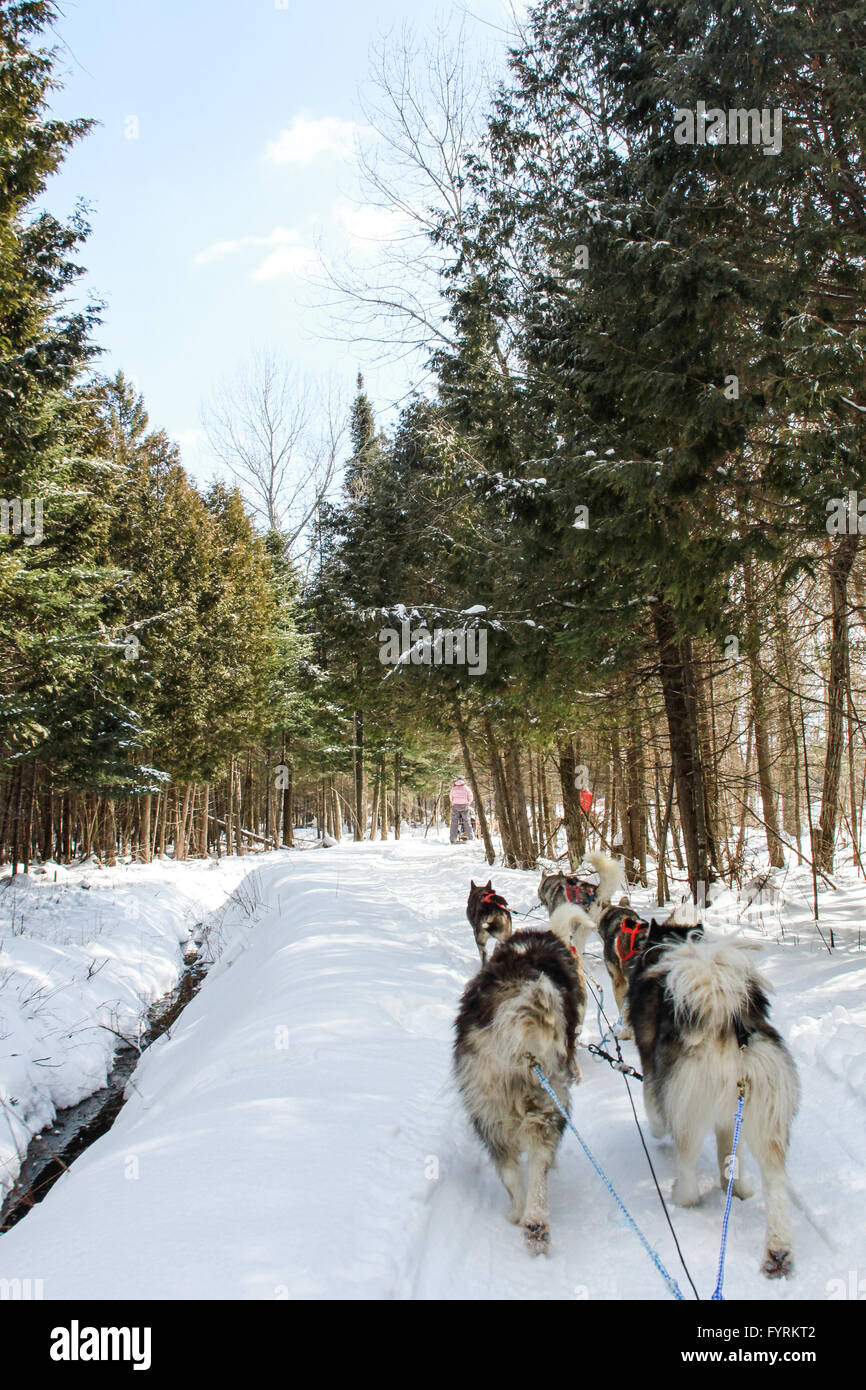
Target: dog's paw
[(626, 1034), (514, 1215), (778, 1264), (742, 1188), (686, 1193), (536, 1235)]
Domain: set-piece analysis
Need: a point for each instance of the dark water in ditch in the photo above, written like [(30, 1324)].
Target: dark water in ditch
[(75, 1129)]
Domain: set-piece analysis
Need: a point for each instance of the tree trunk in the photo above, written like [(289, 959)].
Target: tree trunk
[(572, 814), (678, 689), (288, 803), (508, 834), (398, 792), (837, 688), (463, 735), (527, 852), (144, 835), (374, 814), (769, 799), (358, 760)]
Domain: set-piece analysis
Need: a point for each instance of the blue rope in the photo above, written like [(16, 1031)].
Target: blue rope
[(717, 1294), (669, 1280)]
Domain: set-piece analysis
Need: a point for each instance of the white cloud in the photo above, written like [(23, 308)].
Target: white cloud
[(369, 223), (286, 261), (189, 440), (287, 253), (310, 140)]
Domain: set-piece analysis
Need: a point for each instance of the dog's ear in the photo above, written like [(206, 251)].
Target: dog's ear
[(472, 883), (489, 884)]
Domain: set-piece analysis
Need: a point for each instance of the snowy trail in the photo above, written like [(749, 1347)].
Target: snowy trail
[(297, 1133)]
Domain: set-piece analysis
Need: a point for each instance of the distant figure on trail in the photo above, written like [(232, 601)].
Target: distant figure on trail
[(461, 819)]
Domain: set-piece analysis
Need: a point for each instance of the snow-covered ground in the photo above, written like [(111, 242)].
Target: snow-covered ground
[(84, 952), (297, 1133)]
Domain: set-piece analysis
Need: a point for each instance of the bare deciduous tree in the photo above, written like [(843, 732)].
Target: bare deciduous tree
[(424, 111), (280, 438)]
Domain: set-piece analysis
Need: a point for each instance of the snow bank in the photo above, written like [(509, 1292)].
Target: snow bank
[(84, 952)]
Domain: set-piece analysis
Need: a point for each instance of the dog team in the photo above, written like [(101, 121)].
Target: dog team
[(697, 1009)]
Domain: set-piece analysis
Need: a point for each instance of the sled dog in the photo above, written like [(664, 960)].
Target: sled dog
[(700, 1015), (529, 999), (557, 888), (488, 915), (623, 936)]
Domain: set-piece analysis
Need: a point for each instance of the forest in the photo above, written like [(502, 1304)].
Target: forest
[(631, 479)]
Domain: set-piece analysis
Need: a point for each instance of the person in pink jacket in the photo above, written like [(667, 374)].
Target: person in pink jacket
[(461, 800)]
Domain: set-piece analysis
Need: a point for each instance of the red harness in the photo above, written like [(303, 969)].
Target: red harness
[(581, 894), (632, 930), (495, 898)]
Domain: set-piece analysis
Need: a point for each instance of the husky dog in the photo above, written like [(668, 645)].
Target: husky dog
[(700, 1015), (623, 936), (557, 888), (530, 998), (488, 916)]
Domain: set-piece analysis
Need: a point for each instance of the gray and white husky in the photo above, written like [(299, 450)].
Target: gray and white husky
[(558, 888), (528, 1000), (700, 1015)]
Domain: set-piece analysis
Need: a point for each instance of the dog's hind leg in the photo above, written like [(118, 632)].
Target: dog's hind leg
[(481, 951), (657, 1122), (620, 990), (689, 1105), (688, 1142), (778, 1256), (536, 1217), (724, 1144), (511, 1175)]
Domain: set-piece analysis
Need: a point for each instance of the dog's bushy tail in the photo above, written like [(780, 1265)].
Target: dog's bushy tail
[(685, 914), (711, 982), (533, 1020), (572, 925), (611, 875)]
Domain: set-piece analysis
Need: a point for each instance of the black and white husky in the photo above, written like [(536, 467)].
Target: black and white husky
[(529, 999), (488, 915), (700, 1016)]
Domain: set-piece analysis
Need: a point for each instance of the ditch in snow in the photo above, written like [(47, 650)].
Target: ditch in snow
[(50, 1153)]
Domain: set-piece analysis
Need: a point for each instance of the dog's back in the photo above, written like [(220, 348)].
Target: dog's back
[(526, 1005), (558, 888), (529, 998), (700, 1015), (528, 994), (689, 994)]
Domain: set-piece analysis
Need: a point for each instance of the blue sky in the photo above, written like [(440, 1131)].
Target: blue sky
[(223, 156)]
